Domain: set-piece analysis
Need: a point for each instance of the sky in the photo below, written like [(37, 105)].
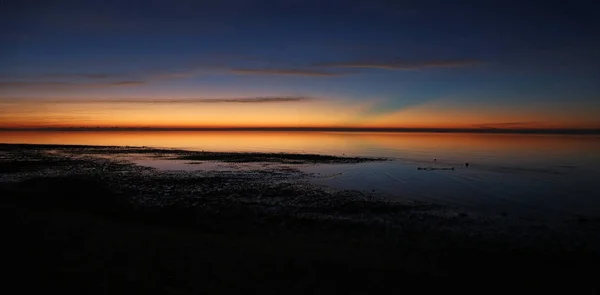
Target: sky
[(291, 63)]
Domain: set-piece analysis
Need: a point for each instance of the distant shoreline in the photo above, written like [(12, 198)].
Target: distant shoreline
[(182, 154), (325, 129)]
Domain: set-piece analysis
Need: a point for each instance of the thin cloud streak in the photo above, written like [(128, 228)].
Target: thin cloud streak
[(90, 79), (507, 125), (92, 76), (61, 81), (222, 100), (266, 99), (286, 72), (126, 83), (65, 85), (324, 70), (403, 65)]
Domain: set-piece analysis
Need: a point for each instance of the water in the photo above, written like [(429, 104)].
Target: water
[(548, 175)]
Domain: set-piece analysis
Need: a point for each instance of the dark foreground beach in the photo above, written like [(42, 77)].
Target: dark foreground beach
[(84, 219)]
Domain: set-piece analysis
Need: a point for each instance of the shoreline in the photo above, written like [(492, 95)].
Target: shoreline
[(263, 219), (180, 154), (480, 130)]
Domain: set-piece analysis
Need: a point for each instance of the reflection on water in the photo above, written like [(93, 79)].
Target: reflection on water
[(544, 174)]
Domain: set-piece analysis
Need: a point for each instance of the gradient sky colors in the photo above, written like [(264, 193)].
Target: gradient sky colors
[(287, 63)]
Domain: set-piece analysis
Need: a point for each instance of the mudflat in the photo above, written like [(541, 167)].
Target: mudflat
[(85, 219)]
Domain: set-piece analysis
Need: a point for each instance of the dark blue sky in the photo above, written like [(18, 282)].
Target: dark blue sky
[(499, 62)]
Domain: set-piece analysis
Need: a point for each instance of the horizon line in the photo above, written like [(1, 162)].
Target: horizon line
[(322, 129)]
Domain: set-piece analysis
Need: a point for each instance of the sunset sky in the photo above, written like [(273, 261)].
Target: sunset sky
[(293, 63)]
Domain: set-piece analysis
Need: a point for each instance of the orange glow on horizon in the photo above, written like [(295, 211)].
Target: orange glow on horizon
[(311, 114)]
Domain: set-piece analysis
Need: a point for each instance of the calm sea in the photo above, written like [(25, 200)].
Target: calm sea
[(547, 175)]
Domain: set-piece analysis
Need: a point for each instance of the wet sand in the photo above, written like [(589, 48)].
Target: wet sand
[(81, 219)]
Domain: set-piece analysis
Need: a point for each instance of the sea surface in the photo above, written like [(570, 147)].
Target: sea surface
[(517, 174)]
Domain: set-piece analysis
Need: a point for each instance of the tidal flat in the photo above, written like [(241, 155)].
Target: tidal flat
[(88, 219)]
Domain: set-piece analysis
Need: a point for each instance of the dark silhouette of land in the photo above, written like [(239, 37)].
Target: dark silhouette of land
[(330, 129), (80, 222)]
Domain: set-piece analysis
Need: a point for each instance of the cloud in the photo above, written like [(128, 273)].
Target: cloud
[(80, 76), (126, 83), (98, 76), (57, 85), (261, 99), (172, 75), (403, 65), (506, 125), (60, 81), (266, 99), (286, 72), (83, 80)]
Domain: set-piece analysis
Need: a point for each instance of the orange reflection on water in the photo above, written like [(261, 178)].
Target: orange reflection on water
[(437, 145), (481, 141), (205, 140)]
